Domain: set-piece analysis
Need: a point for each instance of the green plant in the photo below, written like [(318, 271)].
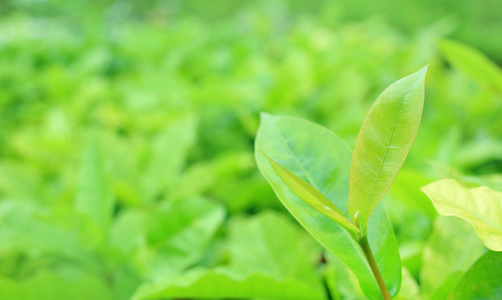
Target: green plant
[(312, 172)]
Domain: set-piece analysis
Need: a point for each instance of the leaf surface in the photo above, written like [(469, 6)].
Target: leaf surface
[(322, 160), (93, 200), (227, 284), (482, 281), (258, 245), (450, 250), (177, 233), (481, 207), (22, 230), (47, 285), (168, 154), (385, 138), (472, 62), (259, 267)]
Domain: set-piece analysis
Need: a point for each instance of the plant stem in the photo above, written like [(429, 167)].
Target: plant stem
[(363, 242)]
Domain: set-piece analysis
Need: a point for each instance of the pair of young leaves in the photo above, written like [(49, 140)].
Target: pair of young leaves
[(382, 145), (304, 161)]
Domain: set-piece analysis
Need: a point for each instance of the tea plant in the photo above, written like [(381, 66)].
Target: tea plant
[(313, 173)]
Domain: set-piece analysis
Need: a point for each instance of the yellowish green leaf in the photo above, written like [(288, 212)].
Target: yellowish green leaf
[(481, 206), (385, 138)]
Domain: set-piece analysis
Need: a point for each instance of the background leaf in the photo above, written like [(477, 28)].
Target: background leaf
[(322, 159), (481, 207), (166, 157), (267, 260), (182, 229), (450, 250), (482, 280), (385, 138), (51, 285), (472, 62), (224, 283), (25, 230), (93, 200), (410, 289)]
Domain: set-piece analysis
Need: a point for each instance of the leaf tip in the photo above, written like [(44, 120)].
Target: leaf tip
[(423, 71)]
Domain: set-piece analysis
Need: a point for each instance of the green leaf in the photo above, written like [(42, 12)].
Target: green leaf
[(450, 250), (48, 285), (168, 154), (481, 207), (259, 267), (93, 200), (472, 62), (385, 138), (342, 283), (177, 233), (409, 288), (322, 160), (482, 280), (267, 236), (22, 229), (227, 284), (311, 196)]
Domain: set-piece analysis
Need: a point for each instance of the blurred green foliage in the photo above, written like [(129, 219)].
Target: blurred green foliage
[(127, 134)]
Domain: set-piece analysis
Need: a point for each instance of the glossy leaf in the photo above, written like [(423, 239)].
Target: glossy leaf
[(450, 250), (322, 160), (472, 62), (481, 207), (385, 138), (482, 281), (311, 195)]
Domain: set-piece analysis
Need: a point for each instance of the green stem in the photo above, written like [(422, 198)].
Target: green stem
[(363, 242)]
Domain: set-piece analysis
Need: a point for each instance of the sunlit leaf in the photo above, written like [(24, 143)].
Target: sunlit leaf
[(481, 207), (385, 138), (322, 160)]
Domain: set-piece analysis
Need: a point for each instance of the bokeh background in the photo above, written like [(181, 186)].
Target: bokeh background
[(127, 132)]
